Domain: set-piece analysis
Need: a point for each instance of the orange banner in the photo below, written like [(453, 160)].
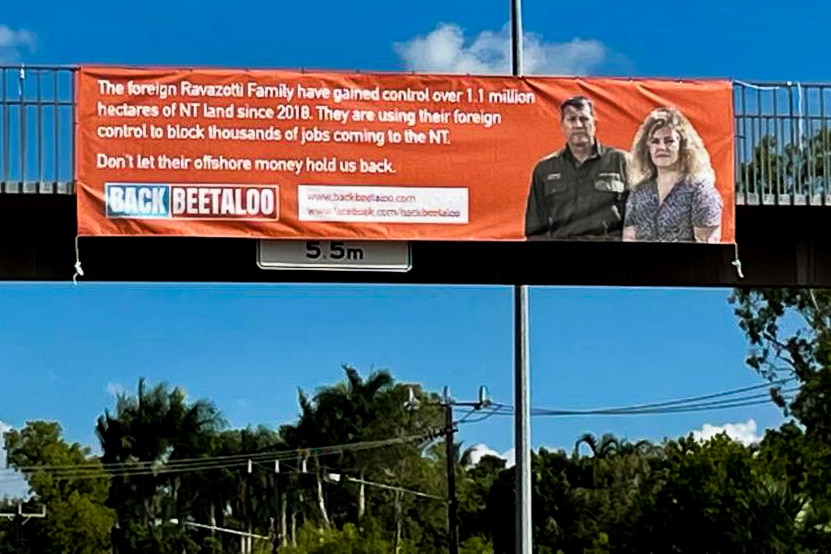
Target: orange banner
[(327, 155)]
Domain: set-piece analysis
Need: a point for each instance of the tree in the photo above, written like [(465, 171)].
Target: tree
[(802, 354), (359, 410), (476, 480), (789, 332), (347, 413), (69, 483), (700, 487), (775, 167), (156, 426), (170, 462)]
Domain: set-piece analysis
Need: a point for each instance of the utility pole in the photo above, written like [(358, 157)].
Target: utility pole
[(276, 521), (26, 517), (19, 513), (449, 429), (452, 500), (447, 403), (246, 539)]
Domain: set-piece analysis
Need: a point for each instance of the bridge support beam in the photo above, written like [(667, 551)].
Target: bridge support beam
[(778, 247)]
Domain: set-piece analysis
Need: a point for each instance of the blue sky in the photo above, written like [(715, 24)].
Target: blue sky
[(743, 39), (248, 348)]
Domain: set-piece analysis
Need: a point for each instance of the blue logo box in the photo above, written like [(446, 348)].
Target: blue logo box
[(137, 201)]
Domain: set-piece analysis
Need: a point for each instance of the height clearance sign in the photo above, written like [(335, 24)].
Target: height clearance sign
[(327, 155)]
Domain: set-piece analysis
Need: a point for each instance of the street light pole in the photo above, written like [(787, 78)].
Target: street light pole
[(337, 477), (516, 37), (522, 391), (522, 422), (175, 521)]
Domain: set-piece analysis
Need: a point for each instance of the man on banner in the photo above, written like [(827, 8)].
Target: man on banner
[(578, 192)]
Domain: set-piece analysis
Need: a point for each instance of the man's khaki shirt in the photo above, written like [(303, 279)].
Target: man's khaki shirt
[(569, 200)]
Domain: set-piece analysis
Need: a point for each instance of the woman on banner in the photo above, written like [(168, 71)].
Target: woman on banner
[(673, 197)]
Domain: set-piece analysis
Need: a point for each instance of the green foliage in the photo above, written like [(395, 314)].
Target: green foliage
[(77, 522), (349, 540), (476, 545), (790, 336)]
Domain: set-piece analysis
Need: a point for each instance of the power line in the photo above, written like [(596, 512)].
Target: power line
[(758, 398), (711, 406), (708, 402), (692, 399), (124, 469), (490, 413), (704, 407), (705, 402)]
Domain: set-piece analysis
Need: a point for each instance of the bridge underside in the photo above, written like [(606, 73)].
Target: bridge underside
[(778, 247)]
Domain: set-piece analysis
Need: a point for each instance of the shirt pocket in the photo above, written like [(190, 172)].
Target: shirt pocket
[(610, 182), (554, 187)]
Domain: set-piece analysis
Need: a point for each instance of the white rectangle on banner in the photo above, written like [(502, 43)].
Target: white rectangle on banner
[(371, 204)]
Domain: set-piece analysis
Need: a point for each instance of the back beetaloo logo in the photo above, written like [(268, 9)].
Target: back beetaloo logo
[(191, 201)]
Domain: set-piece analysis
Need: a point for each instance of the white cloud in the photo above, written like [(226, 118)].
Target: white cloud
[(745, 433), (11, 483), (445, 50), (13, 42), (481, 450)]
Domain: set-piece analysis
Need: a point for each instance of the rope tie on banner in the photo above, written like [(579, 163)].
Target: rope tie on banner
[(756, 87), (737, 263), (800, 104), (79, 271)]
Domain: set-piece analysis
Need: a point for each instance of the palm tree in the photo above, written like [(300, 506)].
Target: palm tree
[(346, 413), (155, 426), (605, 448)]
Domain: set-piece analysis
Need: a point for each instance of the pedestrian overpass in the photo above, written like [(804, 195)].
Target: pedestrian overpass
[(782, 172)]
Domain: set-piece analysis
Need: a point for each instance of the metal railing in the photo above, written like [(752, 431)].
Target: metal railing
[(37, 115), (782, 130), (783, 143)]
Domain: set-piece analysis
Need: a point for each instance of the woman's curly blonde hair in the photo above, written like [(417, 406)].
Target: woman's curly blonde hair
[(693, 155)]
